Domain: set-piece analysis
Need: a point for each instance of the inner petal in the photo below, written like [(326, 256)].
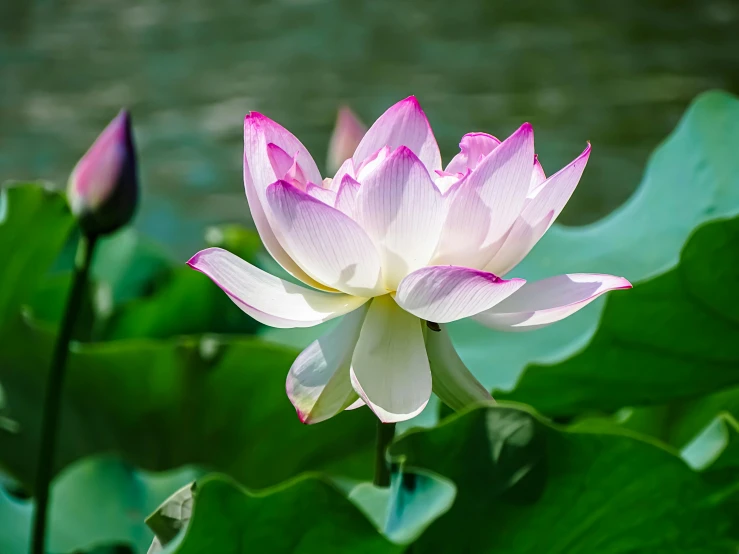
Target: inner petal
[(473, 148), (286, 167)]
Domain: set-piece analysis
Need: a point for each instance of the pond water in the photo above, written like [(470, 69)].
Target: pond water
[(616, 73)]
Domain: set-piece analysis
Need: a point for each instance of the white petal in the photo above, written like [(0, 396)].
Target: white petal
[(347, 168), (346, 198), (517, 244), (487, 203), (273, 132), (542, 208), (329, 246), (553, 194), (318, 383), (453, 383), (404, 124), (280, 160), (372, 162), (259, 131), (327, 196), (358, 403), (537, 176), (473, 148), (267, 298), (446, 181), (390, 369), (402, 211), (447, 293), (543, 302)]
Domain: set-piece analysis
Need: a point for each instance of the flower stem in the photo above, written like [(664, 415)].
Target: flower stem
[(385, 434), (52, 400)]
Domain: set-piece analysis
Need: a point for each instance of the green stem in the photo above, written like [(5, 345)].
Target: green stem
[(385, 434), (52, 400)]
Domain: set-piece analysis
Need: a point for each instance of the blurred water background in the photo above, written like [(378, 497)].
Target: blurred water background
[(616, 73)]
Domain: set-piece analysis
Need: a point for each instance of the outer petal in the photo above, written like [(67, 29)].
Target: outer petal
[(402, 210), (267, 298), (390, 370), (537, 176), (318, 384), (404, 124), (259, 131), (358, 403), (453, 383), (543, 302), (517, 243), (447, 293), (473, 148), (540, 212), (110, 163), (328, 245), (553, 194), (268, 131), (487, 203)]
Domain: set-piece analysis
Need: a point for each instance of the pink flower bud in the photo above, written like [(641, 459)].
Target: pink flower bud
[(103, 186), (347, 135)]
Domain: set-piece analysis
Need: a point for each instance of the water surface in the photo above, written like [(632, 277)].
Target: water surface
[(616, 73)]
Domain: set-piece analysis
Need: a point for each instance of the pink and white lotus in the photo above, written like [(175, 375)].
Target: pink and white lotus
[(399, 247)]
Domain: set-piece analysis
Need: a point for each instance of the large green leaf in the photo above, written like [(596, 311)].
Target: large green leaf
[(175, 300), (400, 512), (408, 506), (165, 403), (185, 303), (527, 487), (679, 422), (95, 502), (672, 337), (307, 515), (34, 225)]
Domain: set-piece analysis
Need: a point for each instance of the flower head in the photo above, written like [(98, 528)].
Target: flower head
[(399, 247), (103, 187)]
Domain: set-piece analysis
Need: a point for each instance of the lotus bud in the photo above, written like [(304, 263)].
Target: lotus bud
[(103, 187), (347, 135)]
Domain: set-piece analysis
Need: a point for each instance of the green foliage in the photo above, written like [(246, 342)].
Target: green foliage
[(169, 373), (166, 403), (95, 502), (403, 511), (34, 226), (171, 517), (306, 515), (528, 487), (166, 301)]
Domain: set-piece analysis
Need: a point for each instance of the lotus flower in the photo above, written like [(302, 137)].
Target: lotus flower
[(399, 247), (103, 186)]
